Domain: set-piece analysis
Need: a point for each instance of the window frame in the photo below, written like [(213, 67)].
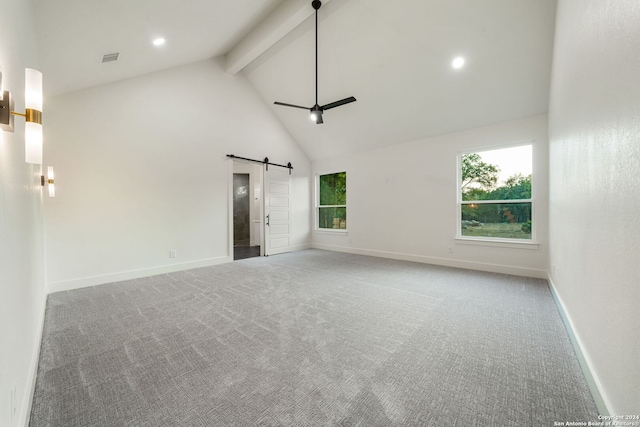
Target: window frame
[(316, 226), (531, 243)]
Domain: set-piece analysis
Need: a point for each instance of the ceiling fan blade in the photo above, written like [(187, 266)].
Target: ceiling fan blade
[(291, 105), (338, 103), (316, 110)]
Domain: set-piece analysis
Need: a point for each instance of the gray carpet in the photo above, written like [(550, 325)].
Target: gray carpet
[(309, 338)]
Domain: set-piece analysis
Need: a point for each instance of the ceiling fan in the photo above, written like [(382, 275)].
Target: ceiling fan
[(317, 110)]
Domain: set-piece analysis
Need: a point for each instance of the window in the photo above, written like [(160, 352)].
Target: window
[(332, 201), (495, 195)]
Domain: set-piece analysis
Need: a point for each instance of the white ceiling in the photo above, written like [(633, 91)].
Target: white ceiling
[(73, 35), (393, 56)]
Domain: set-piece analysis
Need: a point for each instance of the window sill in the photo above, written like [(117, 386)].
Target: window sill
[(527, 244), (339, 231)]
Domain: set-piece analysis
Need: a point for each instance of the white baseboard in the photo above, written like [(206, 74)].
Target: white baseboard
[(27, 399), (447, 262), (602, 402), (300, 247), (67, 285)]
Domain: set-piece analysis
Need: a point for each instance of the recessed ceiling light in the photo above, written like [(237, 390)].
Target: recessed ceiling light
[(159, 41), (458, 62)]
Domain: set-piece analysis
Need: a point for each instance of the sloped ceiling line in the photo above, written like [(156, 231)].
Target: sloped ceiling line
[(281, 22)]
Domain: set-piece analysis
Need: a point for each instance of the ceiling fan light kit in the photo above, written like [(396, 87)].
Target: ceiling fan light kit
[(317, 110)]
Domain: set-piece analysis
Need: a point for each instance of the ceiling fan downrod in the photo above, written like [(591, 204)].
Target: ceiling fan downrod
[(317, 110)]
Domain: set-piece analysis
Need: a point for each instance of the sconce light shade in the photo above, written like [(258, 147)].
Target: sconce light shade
[(32, 89), (33, 143), (33, 127)]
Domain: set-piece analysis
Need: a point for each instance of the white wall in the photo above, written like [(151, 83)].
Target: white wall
[(141, 170), (401, 200), (22, 292), (594, 127)]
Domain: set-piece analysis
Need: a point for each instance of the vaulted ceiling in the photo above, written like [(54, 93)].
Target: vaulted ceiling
[(394, 57)]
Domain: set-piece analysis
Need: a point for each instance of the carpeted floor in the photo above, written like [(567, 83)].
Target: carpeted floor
[(309, 338)]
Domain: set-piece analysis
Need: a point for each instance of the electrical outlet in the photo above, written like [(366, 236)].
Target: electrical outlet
[(553, 269), (173, 253), (450, 250)]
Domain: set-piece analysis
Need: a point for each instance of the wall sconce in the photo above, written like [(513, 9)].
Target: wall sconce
[(33, 115), (49, 180)]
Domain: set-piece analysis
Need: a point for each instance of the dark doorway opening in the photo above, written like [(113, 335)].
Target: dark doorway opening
[(242, 218), (242, 252)]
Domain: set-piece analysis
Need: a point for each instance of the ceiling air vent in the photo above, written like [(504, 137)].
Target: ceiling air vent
[(110, 57)]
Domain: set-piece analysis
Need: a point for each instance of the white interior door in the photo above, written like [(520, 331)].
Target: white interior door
[(277, 209)]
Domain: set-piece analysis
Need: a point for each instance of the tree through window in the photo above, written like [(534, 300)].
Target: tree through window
[(495, 194), (332, 201)]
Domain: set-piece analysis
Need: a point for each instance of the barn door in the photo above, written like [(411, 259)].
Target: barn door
[(277, 208)]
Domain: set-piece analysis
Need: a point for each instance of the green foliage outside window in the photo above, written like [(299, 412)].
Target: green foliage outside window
[(332, 210), (476, 172), (493, 216)]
